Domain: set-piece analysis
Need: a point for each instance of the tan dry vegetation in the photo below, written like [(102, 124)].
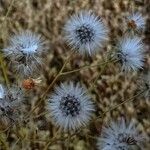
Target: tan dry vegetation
[(48, 17)]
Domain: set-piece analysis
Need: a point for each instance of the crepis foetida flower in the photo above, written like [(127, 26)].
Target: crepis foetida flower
[(130, 53), (85, 32), (24, 51), (70, 107), (119, 135), (10, 103)]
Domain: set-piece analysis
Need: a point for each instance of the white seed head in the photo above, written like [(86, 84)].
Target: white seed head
[(144, 84), (136, 21), (25, 50), (70, 107), (119, 136), (130, 53), (10, 103), (85, 32), (1, 91)]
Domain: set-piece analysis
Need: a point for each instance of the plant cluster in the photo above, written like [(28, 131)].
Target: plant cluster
[(71, 107)]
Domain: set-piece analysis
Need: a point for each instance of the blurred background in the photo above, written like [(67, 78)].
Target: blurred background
[(48, 17)]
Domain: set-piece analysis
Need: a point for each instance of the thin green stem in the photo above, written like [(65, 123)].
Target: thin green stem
[(9, 9), (4, 143), (4, 70), (68, 142), (118, 105), (41, 114), (85, 67), (13, 147), (102, 69), (5, 129)]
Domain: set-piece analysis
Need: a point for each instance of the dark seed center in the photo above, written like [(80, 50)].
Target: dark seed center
[(85, 34), (122, 58), (70, 105), (127, 138)]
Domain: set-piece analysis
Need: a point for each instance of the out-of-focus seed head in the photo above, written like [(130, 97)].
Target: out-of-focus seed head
[(10, 104), (1, 91), (144, 84), (130, 53), (119, 136), (24, 51), (136, 21)]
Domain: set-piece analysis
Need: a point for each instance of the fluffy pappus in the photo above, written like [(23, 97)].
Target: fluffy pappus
[(144, 84), (130, 53), (31, 83), (136, 21), (10, 103), (24, 51), (70, 107), (85, 32), (119, 136)]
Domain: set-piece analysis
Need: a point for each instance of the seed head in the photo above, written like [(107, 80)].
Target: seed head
[(119, 136), (144, 84), (130, 53), (70, 107), (30, 83), (10, 101), (136, 21), (85, 32), (24, 51)]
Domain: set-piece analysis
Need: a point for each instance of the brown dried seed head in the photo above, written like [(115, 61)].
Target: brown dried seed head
[(132, 24), (28, 84)]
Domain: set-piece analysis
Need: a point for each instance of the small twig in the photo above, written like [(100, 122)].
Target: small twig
[(9, 9), (102, 69), (85, 67), (6, 129), (4, 143), (118, 105), (50, 86), (68, 142), (4, 70), (1, 57), (39, 115), (13, 147)]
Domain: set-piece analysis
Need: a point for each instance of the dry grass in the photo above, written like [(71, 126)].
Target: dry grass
[(48, 17)]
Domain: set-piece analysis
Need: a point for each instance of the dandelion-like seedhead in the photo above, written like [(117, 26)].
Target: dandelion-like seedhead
[(136, 21), (25, 50), (130, 53), (10, 101), (119, 136), (144, 84), (70, 107), (85, 32)]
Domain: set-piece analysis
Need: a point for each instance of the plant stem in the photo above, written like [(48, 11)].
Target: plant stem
[(51, 85), (68, 142), (13, 147), (85, 67), (9, 9), (102, 69), (118, 105), (4, 70), (1, 57)]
